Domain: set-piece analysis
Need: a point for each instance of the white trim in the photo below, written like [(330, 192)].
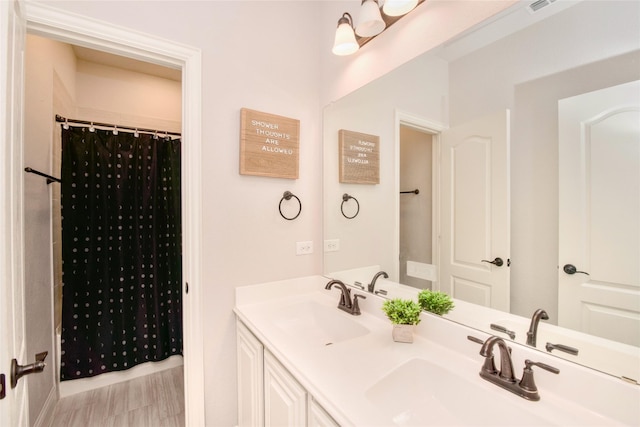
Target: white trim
[(402, 118), (80, 30), (52, 23), (14, 409), (46, 415)]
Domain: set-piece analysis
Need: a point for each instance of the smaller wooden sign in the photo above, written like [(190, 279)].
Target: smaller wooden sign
[(359, 157), (269, 145)]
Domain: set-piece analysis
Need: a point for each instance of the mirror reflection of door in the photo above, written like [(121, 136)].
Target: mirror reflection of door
[(599, 218), (417, 265), (475, 211)]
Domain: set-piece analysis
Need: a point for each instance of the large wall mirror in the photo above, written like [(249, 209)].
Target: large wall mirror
[(547, 185)]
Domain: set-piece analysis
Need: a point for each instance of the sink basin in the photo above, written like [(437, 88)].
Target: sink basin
[(420, 392), (312, 323)]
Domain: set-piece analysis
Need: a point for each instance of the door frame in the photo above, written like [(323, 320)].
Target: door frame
[(79, 30), (14, 408), (402, 118)]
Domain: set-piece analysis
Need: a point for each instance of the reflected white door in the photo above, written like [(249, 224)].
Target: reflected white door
[(475, 211), (13, 408), (599, 218)]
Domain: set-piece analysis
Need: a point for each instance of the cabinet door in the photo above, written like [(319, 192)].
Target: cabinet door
[(318, 417), (285, 401), (250, 378)]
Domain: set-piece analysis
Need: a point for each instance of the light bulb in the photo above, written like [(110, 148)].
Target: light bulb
[(345, 41), (370, 21), (398, 7)]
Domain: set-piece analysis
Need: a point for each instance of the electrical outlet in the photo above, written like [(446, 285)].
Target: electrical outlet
[(304, 248), (332, 245)]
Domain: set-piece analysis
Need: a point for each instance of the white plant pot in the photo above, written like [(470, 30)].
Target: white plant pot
[(403, 333)]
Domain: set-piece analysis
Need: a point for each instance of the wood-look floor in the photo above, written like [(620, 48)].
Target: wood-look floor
[(155, 400)]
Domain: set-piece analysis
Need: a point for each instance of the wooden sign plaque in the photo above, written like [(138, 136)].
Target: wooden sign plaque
[(269, 145), (359, 157)]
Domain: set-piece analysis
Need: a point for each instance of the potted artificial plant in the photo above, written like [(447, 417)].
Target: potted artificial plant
[(435, 302), (404, 314)]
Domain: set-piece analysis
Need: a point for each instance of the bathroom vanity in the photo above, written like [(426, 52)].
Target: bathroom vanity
[(302, 361)]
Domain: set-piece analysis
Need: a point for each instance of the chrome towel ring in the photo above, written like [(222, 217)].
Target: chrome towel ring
[(287, 196), (345, 198)]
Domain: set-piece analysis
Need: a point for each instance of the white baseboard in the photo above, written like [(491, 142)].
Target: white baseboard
[(71, 387)]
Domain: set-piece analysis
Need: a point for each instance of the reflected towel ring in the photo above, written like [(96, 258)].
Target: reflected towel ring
[(287, 196), (345, 198)]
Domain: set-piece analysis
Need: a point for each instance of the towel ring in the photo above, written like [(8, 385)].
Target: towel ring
[(287, 196), (345, 198)]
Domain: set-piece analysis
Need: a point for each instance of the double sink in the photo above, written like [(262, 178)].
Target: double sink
[(351, 364)]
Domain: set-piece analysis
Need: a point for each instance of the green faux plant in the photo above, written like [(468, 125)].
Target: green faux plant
[(402, 312), (435, 302)]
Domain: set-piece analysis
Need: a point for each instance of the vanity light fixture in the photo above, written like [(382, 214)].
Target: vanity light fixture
[(374, 17), (345, 42), (370, 22)]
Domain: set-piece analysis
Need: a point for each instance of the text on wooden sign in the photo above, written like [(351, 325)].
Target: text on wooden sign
[(269, 144)]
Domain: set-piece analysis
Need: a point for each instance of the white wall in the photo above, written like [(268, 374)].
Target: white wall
[(54, 66), (263, 56), (127, 98)]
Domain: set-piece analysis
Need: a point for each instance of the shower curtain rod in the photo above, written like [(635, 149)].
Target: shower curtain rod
[(61, 119), (50, 178)]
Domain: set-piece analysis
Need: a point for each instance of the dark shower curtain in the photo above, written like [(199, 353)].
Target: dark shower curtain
[(121, 251)]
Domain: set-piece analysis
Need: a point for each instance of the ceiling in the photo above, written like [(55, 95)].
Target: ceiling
[(125, 63)]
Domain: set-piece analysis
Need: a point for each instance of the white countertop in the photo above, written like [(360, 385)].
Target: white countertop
[(341, 376)]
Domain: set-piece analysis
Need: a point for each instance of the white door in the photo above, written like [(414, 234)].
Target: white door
[(13, 408), (475, 211), (599, 218)]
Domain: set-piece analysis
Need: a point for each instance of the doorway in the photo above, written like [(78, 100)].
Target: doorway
[(84, 84), (417, 167), (41, 20), (416, 210)]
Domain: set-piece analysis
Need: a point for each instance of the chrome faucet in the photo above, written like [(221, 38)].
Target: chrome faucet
[(372, 285), (532, 335), (526, 387), (346, 304)]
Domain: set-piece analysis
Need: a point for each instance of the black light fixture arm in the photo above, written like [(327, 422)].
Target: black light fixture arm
[(346, 18)]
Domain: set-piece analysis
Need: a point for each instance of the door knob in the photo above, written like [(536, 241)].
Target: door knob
[(18, 371), (571, 269), (497, 262)]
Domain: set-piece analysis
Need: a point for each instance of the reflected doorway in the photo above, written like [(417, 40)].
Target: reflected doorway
[(416, 208)]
